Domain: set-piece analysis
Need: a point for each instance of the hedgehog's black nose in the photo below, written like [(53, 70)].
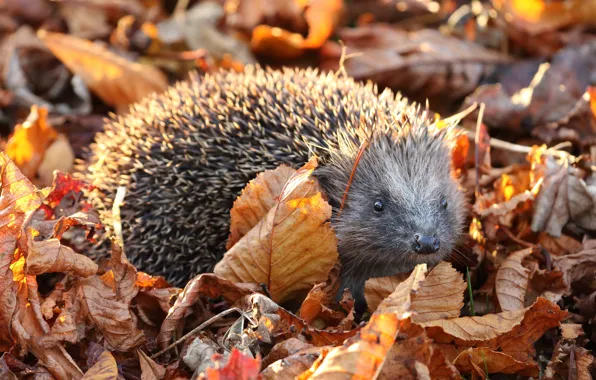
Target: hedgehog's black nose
[(426, 244)]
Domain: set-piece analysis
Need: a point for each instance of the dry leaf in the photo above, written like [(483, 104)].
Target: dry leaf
[(512, 332), (275, 323), (441, 294), (292, 247), (50, 256), (578, 268), (512, 281), (483, 361), (18, 199), (114, 79), (150, 370), (411, 346), (29, 141), (378, 288), (205, 284), (363, 355), (286, 348), (255, 201), (104, 369), (108, 301), (421, 64)]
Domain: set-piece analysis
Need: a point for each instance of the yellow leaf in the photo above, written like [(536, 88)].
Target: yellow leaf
[(104, 369)]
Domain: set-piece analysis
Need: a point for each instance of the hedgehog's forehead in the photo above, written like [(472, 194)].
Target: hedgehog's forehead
[(415, 165)]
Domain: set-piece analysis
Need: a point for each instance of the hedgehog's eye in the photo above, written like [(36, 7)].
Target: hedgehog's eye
[(444, 203), (378, 205)]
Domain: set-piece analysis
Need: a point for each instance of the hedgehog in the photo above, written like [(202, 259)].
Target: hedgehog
[(185, 155)]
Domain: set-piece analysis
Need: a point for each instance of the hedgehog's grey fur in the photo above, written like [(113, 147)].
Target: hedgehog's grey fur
[(184, 156)]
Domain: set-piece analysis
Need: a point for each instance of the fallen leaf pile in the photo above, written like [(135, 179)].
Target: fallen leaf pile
[(516, 299)]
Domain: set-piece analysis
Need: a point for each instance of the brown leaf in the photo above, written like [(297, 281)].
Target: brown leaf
[(578, 268), (50, 255), (411, 346), (559, 246), (30, 329), (290, 367), (29, 141), (276, 323), (554, 97), (150, 370), (255, 201), (422, 64), (376, 289), (108, 301), (114, 79), (206, 284), (512, 281), (440, 296), (484, 361), (512, 332), (104, 369), (286, 348), (292, 247), (363, 355), (18, 199)]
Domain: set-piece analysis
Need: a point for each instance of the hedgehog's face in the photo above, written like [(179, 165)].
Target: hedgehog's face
[(403, 208)]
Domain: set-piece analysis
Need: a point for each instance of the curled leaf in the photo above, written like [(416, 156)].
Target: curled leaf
[(292, 247)]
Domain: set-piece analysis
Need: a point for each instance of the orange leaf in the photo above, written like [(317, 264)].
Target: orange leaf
[(28, 144), (114, 79), (363, 355), (19, 197), (292, 247), (483, 360)]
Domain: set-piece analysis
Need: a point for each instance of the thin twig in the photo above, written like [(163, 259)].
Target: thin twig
[(516, 239), (197, 329)]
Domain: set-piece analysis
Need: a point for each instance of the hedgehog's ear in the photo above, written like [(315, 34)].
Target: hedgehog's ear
[(328, 182)]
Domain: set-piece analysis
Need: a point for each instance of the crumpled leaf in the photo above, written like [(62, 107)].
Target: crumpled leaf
[(276, 323), (569, 359), (553, 101), (104, 369), (564, 197), (239, 366), (292, 247), (107, 299), (512, 281), (51, 256), (363, 355), (286, 348), (29, 141), (421, 64), (114, 79), (511, 332), (150, 370), (18, 199), (482, 361), (578, 268), (440, 296), (206, 284)]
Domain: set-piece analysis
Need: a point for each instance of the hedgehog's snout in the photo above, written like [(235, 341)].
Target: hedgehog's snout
[(425, 244)]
